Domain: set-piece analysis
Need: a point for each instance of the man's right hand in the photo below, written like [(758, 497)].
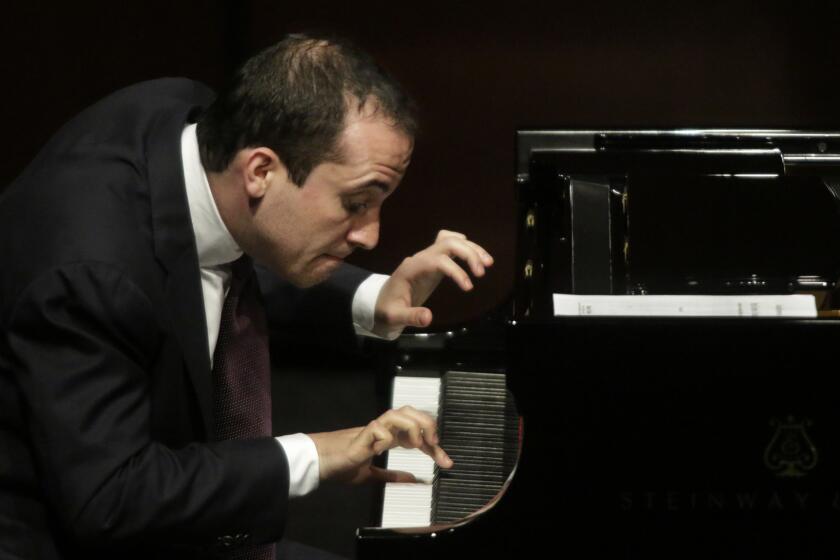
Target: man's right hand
[(347, 455), (400, 301)]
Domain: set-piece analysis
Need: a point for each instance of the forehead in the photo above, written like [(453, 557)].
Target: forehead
[(372, 139)]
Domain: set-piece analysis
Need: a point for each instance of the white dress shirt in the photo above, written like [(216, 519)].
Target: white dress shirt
[(216, 250)]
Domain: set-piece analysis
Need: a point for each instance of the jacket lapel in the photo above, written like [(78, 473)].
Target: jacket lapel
[(174, 244)]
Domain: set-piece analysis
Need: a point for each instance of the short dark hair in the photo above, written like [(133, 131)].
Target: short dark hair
[(293, 97)]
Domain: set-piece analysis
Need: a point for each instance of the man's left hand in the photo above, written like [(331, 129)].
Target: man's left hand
[(400, 301)]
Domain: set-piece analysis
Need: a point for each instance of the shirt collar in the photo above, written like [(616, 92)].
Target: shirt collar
[(213, 241)]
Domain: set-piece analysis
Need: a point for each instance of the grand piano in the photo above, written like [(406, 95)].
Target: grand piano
[(640, 436)]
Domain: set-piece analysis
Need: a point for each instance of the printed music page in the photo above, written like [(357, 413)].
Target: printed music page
[(797, 305)]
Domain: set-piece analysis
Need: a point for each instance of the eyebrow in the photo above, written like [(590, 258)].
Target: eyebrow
[(373, 184)]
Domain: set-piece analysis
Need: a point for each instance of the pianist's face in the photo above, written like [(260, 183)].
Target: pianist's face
[(305, 232)]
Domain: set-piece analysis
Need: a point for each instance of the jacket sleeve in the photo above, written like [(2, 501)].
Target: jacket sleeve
[(83, 342)]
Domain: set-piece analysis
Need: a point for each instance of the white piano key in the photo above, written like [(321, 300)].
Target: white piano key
[(414, 461), (405, 504), (422, 393)]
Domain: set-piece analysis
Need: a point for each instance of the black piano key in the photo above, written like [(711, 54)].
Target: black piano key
[(478, 428)]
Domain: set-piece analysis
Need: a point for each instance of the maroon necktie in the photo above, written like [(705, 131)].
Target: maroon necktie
[(241, 374)]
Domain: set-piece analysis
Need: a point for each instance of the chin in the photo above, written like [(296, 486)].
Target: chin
[(308, 281), (322, 270), (315, 272)]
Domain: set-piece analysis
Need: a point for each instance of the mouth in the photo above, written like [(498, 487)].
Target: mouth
[(332, 259), (339, 257)]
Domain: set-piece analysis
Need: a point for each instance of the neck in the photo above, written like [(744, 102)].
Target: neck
[(224, 189)]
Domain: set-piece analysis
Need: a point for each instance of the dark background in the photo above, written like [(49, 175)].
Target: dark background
[(477, 73)]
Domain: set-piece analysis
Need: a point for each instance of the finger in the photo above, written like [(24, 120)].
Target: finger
[(449, 268), (486, 257), (404, 426), (408, 419), (465, 250), (437, 453), (427, 423), (385, 475), (444, 234), (410, 316), (431, 440)]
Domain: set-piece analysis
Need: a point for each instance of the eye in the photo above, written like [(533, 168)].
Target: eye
[(355, 207)]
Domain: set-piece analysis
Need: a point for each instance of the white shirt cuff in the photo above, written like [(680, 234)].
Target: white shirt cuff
[(304, 469), (364, 306)]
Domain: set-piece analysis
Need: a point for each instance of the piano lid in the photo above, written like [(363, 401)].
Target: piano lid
[(701, 150), (676, 211)]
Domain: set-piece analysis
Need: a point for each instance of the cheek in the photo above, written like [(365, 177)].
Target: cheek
[(322, 210), (334, 234)]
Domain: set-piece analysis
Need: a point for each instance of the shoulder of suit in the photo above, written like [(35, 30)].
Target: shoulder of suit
[(167, 89), (163, 94)]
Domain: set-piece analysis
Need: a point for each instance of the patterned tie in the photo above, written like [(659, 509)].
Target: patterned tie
[(241, 374)]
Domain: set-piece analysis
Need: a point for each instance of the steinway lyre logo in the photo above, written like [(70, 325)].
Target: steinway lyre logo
[(790, 453)]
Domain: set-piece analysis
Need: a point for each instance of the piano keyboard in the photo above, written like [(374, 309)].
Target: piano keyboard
[(478, 428)]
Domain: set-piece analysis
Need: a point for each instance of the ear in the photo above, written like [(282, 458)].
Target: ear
[(262, 168)]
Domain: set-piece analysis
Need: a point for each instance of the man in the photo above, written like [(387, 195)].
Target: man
[(133, 415)]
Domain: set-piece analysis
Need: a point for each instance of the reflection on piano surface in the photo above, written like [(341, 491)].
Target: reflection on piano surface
[(641, 437)]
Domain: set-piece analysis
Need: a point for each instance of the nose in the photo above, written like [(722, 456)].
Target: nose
[(364, 233)]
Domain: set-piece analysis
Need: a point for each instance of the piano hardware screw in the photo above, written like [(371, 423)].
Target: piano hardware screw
[(530, 219), (529, 269)]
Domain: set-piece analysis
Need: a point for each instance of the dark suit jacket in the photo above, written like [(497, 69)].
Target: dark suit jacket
[(104, 370)]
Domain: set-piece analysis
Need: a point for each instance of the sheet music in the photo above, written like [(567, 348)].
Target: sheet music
[(797, 305)]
